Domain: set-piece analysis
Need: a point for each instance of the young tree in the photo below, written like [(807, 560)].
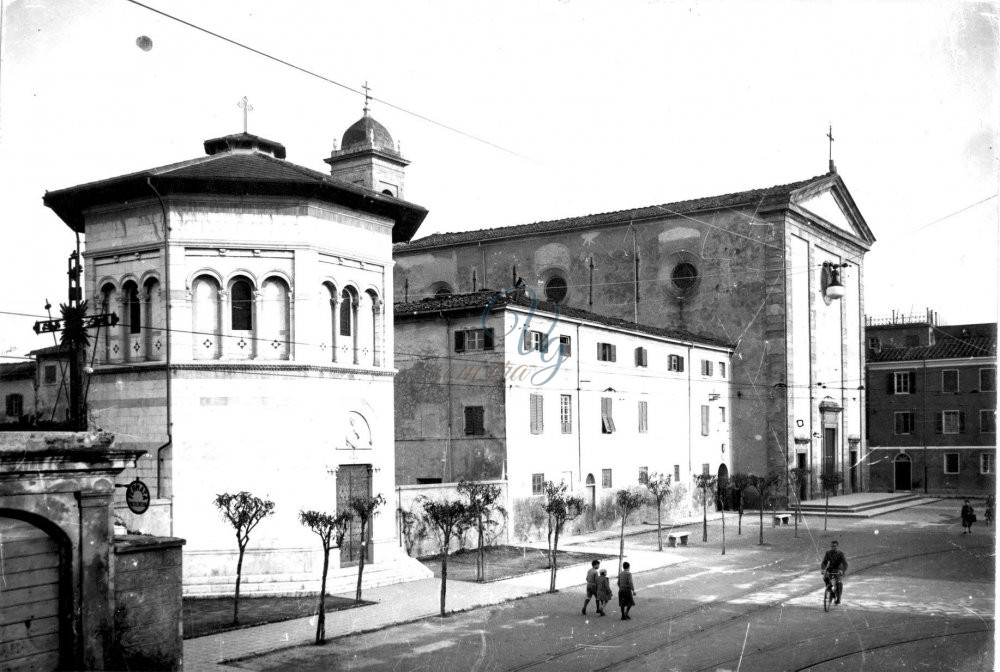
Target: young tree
[(331, 530), (659, 487), (705, 483), (449, 517), (830, 481), (559, 507), (364, 508), (763, 485), (798, 476), (627, 501), (243, 511), (484, 506), (739, 482)]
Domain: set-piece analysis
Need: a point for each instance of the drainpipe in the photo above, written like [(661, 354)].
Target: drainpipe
[(690, 359), (449, 467), (169, 378), (579, 402), (923, 431)]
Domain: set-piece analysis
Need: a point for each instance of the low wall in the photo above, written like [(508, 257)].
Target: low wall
[(419, 540)]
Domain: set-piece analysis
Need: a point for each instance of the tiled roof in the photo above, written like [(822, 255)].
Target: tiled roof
[(49, 351), (947, 347), (758, 198), (479, 300), (17, 370)]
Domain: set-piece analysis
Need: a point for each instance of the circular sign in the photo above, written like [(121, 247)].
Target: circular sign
[(137, 497)]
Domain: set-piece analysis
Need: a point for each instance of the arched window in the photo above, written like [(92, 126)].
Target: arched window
[(153, 321), (274, 328), (328, 323), (346, 313), (241, 295), (132, 323), (106, 337), (556, 289), (207, 336), (374, 322)]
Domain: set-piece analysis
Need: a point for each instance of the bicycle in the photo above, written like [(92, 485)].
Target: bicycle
[(834, 588)]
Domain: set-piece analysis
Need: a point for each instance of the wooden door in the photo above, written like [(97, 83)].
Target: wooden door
[(354, 480)]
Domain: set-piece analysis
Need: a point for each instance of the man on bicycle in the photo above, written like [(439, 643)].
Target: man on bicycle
[(834, 562)]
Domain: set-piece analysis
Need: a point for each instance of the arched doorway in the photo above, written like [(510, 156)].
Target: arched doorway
[(592, 499), (722, 490), (902, 469)]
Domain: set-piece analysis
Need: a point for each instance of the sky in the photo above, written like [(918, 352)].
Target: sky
[(523, 111)]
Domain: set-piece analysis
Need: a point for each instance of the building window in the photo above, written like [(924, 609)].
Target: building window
[(640, 357), (951, 422), (951, 463), (566, 413), (565, 346), (684, 276), (875, 343), (473, 339), (346, 312), (50, 374), (988, 380), (241, 294), (644, 475), (675, 363), (987, 463), (206, 318), (643, 417), (607, 422), (133, 308), (706, 469), (722, 413), (902, 382), (474, 425), (429, 480), (15, 405), (722, 369), (704, 420), (903, 421), (677, 473), (536, 413), (706, 367), (538, 484), (987, 421), (949, 380), (912, 340), (606, 478), (606, 352), (556, 289), (535, 340)]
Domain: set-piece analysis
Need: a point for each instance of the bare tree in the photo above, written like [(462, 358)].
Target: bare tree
[(627, 501), (560, 507), (243, 511), (483, 507), (831, 481), (798, 476), (705, 483), (739, 482), (449, 518), (659, 487), (763, 485), (364, 508), (331, 530)]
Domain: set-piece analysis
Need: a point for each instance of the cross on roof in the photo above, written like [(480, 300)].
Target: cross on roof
[(367, 95), (247, 107), (829, 134)]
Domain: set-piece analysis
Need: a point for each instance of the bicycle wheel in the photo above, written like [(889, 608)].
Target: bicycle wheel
[(828, 598)]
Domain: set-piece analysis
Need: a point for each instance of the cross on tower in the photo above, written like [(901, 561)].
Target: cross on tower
[(829, 134), (367, 95), (247, 107)]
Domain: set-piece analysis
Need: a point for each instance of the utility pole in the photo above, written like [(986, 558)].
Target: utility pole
[(74, 326)]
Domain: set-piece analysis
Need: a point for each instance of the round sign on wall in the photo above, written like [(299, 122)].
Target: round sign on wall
[(137, 497)]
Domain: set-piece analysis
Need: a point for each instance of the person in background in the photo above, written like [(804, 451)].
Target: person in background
[(968, 517), (592, 586), (603, 591), (626, 592)]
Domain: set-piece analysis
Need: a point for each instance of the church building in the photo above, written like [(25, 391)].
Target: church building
[(255, 347)]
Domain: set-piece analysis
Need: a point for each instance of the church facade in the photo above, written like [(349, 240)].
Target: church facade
[(776, 271), (255, 348)]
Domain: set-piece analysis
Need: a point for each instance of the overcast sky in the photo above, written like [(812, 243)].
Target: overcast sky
[(583, 106)]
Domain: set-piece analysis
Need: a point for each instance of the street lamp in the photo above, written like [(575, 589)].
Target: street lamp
[(832, 287)]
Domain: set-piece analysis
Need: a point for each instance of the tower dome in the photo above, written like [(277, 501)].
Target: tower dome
[(366, 132)]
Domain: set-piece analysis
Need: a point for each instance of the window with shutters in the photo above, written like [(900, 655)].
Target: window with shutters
[(722, 369), (722, 413), (951, 463), (565, 346), (949, 380), (903, 421), (640, 356), (49, 373), (474, 425), (566, 413), (473, 339), (704, 420), (606, 352), (606, 478), (675, 363), (607, 422), (902, 382), (15, 405), (987, 380), (677, 473), (535, 340), (706, 367), (535, 403), (951, 422), (644, 475), (987, 421), (538, 484), (643, 417), (987, 463)]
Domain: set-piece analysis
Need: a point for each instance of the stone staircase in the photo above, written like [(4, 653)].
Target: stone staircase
[(865, 505)]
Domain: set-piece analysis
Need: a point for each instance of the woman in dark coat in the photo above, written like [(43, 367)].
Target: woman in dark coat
[(626, 592), (968, 517), (603, 591)]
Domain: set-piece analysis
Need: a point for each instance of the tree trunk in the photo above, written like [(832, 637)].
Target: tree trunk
[(361, 561), (444, 571), (761, 505), (480, 559), (239, 573), (552, 575), (798, 512), (826, 510), (551, 559), (621, 546), (321, 618), (659, 527), (739, 528), (723, 512), (704, 517)]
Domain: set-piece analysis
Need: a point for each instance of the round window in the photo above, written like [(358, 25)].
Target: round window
[(556, 289), (685, 275)]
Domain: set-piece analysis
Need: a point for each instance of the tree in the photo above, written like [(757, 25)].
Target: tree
[(627, 501), (739, 482), (830, 481), (364, 508), (705, 483), (559, 507), (331, 530), (763, 485), (483, 505), (449, 517), (798, 477), (243, 511), (659, 487)]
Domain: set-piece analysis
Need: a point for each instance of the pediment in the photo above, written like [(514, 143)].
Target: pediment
[(831, 204)]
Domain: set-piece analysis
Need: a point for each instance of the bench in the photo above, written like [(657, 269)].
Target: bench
[(781, 518), (672, 538)]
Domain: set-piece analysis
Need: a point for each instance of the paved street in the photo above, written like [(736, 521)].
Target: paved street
[(919, 595)]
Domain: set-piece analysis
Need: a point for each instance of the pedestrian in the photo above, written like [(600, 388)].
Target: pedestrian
[(626, 592), (968, 518), (990, 509), (592, 586), (603, 591)]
